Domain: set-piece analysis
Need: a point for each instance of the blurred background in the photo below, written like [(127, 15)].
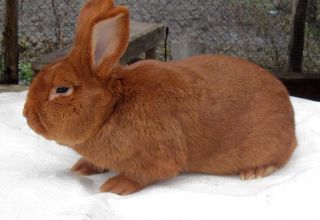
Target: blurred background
[(258, 30)]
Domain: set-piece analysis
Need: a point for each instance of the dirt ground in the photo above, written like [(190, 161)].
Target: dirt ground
[(13, 88)]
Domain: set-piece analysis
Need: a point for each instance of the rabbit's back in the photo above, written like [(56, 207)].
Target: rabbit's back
[(232, 113)]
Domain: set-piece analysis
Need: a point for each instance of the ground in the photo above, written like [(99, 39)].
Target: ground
[(12, 88)]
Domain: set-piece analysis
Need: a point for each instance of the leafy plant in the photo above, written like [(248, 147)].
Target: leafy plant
[(26, 72)]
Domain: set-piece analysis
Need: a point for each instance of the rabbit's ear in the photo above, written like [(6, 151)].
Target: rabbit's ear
[(109, 40), (88, 13)]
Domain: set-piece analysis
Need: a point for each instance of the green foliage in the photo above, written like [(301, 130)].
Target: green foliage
[(26, 72)]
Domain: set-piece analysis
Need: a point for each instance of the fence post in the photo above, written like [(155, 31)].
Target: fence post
[(11, 51), (296, 45)]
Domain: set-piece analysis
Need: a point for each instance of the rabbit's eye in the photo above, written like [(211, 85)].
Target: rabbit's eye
[(62, 90)]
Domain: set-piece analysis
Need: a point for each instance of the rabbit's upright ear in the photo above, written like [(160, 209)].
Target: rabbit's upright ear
[(88, 13), (109, 40)]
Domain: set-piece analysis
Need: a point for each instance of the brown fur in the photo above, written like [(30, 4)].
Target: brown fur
[(151, 121)]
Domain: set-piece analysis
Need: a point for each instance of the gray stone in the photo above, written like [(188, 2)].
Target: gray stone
[(186, 48)]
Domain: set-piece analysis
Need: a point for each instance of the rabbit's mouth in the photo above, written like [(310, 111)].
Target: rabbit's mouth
[(36, 124)]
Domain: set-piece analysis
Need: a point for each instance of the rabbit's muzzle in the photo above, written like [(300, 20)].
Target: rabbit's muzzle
[(34, 120)]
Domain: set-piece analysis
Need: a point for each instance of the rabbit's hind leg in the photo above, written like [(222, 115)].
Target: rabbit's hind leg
[(257, 172), (121, 185)]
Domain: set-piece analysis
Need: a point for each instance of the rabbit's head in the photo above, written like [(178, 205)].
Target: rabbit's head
[(69, 100)]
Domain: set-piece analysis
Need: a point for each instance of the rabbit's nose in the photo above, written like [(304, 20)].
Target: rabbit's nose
[(26, 110)]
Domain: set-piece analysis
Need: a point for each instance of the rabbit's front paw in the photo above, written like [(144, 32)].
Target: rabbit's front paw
[(85, 168), (121, 185)]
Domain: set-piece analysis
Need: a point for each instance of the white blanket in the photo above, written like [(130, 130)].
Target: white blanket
[(35, 181)]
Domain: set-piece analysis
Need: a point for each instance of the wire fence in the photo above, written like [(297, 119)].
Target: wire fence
[(46, 25), (312, 38), (258, 30)]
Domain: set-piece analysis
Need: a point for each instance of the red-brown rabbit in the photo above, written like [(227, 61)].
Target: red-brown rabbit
[(151, 121)]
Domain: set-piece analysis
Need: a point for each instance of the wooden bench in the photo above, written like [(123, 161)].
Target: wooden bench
[(144, 38), (302, 85)]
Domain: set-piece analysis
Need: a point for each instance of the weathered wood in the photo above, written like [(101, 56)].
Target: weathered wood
[(296, 45), (11, 53), (151, 54), (143, 37), (302, 85)]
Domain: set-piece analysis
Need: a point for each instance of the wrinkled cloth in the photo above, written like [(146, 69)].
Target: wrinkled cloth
[(35, 181)]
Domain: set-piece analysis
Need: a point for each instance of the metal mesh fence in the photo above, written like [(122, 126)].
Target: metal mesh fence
[(46, 25), (312, 38), (254, 29)]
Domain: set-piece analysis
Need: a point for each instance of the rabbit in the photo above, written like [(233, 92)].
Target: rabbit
[(152, 120)]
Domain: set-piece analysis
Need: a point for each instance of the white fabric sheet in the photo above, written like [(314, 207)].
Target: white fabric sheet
[(35, 181)]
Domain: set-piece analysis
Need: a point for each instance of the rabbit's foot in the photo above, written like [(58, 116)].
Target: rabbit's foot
[(121, 185), (257, 172), (85, 168)]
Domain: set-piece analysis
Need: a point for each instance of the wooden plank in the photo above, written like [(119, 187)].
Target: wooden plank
[(302, 85), (306, 77), (143, 37), (11, 50), (296, 45), (151, 54)]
